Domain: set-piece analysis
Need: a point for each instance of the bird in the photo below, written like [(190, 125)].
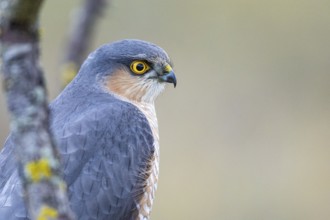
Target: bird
[(105, 126)]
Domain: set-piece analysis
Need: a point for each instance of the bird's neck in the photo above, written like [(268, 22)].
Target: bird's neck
[(148, 109)]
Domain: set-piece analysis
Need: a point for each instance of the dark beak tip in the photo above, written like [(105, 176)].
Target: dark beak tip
[(172, 80), (169, 78)]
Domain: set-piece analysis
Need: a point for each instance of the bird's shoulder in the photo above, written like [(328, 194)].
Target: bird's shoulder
[(104, 148), (105, 127), (108, 116)]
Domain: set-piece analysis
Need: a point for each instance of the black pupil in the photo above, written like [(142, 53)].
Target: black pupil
[(140, 66)]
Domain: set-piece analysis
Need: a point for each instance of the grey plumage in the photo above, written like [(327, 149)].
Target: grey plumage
[(105, 142)]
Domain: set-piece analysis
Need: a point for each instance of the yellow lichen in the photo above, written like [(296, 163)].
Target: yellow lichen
[(69, 71), (38, 169), (47, 213)]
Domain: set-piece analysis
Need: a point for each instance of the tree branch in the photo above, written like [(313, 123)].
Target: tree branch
[(27, 102), (80, 37)]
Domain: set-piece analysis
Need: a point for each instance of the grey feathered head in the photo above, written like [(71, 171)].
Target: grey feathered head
[(134, 69)]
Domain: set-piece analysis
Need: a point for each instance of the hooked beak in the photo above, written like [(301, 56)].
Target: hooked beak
[(168, 77)]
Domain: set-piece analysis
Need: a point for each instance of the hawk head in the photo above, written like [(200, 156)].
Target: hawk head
[(133, 69)]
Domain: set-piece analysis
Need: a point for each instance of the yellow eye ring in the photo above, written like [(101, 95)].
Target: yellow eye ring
[(139, 67)]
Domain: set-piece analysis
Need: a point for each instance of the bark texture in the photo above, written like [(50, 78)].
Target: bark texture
[(80, 37), (27, 102)]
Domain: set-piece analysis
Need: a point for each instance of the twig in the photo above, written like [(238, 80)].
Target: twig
[(80, 37), (27, 102)]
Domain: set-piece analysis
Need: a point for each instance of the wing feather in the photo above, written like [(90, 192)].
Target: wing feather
[(104, 152), (109, 149)]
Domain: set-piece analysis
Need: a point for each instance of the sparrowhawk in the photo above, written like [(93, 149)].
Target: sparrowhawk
[(105, 126)]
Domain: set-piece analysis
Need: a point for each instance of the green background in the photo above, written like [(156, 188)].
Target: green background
[(246, 133)]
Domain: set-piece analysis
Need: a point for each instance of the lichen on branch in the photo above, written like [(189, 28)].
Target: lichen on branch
[(27, 103)]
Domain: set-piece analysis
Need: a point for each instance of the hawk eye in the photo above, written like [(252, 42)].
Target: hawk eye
[(139, 67)]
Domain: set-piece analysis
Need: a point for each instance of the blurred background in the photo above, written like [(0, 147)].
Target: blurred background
[(246, 133)]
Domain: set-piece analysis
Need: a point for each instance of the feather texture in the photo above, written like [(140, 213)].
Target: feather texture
[(106, 130)]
